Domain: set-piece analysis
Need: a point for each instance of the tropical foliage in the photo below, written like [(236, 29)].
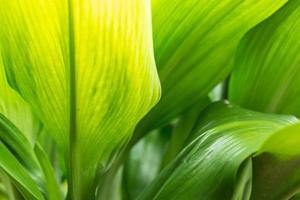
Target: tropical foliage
[(164, 100)]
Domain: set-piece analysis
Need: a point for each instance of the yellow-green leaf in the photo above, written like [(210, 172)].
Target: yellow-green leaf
[(87, 68)]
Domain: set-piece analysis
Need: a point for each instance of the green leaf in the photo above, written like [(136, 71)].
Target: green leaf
[(7, 187), (13, 107), (226, 136), (20, 148), (18, 144), (18, 129), (194, 43), (21, 153), (144, 161), (87, 68), (56, 157), (183, 130), (50, 179), (243, 182), (296, 197), (276, 172), (266, 75), (21, 178)]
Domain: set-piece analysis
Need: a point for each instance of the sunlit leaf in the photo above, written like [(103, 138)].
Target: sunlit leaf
[(266, 76), (87, 69), (225, 138)]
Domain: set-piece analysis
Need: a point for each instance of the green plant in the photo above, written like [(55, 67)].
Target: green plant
[(132, 99)]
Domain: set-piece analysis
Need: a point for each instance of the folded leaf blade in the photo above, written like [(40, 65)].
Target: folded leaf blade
[(207, 169), (21, 178), (277, 165), (19, 161)]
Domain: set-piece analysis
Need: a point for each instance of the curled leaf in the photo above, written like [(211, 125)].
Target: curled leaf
[(225, 138)]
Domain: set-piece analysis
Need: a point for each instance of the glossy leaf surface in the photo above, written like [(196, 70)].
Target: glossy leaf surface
[(226, 136)]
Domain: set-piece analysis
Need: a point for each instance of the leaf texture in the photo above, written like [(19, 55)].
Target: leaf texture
[(19, 175), (266, 75), (194, 44), (225, 137), (87, 68), (144, 162), (53, 190), (13, 107), (19, 162)]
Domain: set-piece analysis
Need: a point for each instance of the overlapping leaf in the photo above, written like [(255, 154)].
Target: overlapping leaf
[(266, 76), (13, 107), (153, 152), (183, 130), (226, 136), (276, 173), (18, 161), (194, 43), (53, 190), (19, 176), (87, 69), (144, 162), (18, 128)]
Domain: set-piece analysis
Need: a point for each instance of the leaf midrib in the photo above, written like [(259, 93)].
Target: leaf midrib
[(72, 94)]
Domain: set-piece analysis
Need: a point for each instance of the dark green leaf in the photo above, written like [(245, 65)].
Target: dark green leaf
[(143, 163)]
